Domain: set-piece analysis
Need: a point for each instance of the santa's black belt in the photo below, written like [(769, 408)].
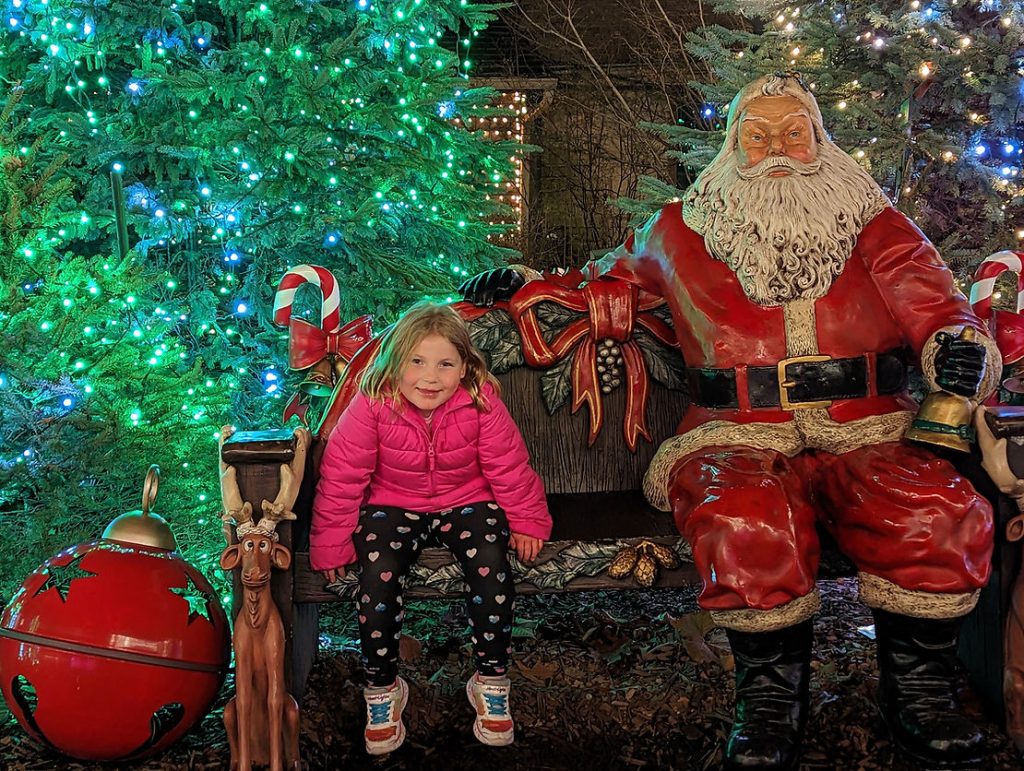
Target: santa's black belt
[(800, 382)]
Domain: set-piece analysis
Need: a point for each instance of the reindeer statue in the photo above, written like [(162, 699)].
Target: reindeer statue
[(262, 720), (1004, 465)]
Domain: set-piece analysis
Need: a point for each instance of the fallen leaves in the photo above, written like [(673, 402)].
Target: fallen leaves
[(632, 679)]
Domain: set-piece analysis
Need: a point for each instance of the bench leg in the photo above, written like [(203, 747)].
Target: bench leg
[(305, 640)]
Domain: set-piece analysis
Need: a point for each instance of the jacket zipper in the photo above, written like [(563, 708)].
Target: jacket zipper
[(431, 455), (431, 459)]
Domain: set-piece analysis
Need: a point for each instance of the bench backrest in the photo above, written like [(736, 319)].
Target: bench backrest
[(558, 442), (565, 351)]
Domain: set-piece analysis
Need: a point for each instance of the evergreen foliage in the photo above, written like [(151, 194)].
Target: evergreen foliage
[(248, 137), (925, 93)]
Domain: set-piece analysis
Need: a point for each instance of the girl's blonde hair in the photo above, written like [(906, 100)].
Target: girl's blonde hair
[(425, 318)]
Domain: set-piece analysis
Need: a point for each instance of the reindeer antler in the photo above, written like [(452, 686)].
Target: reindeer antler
[(995, 461), (236, 511)]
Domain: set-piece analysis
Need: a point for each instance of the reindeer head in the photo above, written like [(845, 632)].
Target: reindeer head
[(257, 550), (258, 554)]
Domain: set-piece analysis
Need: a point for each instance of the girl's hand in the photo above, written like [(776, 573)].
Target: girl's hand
[(334, 574), (526, 546)]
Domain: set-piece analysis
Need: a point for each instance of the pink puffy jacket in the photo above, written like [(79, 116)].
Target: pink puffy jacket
[(387, 456)]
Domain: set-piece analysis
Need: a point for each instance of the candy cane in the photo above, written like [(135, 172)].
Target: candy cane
[(330, 310), (985, 277)]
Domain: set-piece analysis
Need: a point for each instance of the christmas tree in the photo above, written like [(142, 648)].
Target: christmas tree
[(925, 94), (244, 139)]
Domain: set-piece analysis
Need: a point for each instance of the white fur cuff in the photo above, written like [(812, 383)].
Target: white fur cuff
[(752, 620), (876, 592)]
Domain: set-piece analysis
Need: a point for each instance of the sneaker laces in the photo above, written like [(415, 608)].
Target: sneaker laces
[(380, 712), (496, 704)]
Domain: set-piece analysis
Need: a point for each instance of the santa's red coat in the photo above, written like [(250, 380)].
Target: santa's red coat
[(749, 509)]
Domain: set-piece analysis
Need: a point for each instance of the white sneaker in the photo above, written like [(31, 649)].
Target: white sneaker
[(489, 697), (385, 730)]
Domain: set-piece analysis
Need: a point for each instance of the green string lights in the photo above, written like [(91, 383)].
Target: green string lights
[(243, 139)]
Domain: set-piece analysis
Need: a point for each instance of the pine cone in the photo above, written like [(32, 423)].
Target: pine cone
[(623, 562), (646, 571), (663, 555)]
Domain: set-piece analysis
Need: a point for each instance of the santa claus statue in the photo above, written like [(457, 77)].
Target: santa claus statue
[(799, 297)]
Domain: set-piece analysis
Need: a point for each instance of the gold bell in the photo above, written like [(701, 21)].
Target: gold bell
[(319, 380), (144, 528), (944, 419)]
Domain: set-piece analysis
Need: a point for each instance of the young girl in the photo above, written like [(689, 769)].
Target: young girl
[(427, 451)]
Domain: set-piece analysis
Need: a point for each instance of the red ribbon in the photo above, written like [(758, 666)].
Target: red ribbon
[(612, 308), (308, 343), (298, 406)]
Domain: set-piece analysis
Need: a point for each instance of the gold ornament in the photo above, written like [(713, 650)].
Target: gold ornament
[(144, 527)]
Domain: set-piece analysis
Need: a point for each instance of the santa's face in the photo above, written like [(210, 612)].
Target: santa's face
[(781, 206), (773, 127)]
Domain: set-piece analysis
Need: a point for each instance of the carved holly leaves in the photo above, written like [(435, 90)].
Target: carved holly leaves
[(495, 334)]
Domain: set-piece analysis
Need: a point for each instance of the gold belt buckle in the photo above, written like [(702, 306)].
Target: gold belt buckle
[(785, 384)]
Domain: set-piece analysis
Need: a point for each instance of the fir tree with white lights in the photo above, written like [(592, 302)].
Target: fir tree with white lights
[(926, 94)]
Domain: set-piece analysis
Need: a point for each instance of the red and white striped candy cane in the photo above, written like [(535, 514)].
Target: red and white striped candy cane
[(985, 277), (330, 308)]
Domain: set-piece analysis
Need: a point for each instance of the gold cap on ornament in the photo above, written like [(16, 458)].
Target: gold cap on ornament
[(144, 528)]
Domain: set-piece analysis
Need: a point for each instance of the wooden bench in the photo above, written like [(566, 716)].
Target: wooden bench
[(594, 493)]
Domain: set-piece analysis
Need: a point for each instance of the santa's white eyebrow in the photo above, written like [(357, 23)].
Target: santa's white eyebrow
[(800, 114)]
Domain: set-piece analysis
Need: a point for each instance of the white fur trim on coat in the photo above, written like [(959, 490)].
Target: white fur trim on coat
[(876, 592)]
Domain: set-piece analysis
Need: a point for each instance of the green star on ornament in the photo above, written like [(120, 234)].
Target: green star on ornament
[(61, 576), (198, 600)]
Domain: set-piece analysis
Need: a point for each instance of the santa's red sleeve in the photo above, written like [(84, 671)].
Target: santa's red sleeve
[(919, 290)]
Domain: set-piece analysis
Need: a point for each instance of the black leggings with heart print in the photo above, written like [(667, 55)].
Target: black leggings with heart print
[(388, 540)]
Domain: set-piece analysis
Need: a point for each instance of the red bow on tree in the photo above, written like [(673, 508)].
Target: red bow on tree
[(308, 343)]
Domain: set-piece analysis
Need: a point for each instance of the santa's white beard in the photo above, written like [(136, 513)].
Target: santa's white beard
[(784, 237)]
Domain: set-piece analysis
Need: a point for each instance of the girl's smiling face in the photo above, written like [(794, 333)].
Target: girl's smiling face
[(432, 374)]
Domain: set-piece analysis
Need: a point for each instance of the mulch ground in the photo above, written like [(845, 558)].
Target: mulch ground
[(618, 680)]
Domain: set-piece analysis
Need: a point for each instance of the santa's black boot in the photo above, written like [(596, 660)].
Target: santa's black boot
[(917, 670), (772, 672)]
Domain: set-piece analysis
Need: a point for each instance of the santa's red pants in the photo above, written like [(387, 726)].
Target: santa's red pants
[(897, 511)]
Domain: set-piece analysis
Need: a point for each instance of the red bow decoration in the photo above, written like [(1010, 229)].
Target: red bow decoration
[(308, 343), (613, 307), (346, 389)]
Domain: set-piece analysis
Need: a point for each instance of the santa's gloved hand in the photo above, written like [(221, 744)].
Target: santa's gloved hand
[(959, 365), (491, 286)]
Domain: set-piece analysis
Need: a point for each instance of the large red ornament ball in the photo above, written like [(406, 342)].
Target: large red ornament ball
[(112, 650)]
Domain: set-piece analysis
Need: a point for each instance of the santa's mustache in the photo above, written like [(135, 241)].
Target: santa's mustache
[(774, 162)]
